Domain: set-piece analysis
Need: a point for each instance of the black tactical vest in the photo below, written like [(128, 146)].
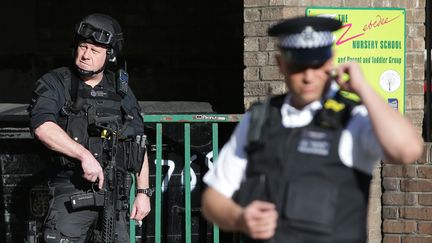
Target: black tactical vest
[(88, 110), (318, 198)]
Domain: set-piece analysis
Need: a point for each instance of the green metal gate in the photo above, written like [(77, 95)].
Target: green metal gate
[(186, 120)]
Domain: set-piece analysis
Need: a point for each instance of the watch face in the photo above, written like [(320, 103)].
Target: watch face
[(147, 191)]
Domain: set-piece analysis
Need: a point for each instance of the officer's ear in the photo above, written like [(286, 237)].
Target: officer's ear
[(328, 65), (111, 55)]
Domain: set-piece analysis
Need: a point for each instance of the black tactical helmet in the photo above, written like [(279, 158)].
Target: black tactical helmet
[(101, 29)]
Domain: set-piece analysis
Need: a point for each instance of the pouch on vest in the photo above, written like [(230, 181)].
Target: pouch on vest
[(311, 205), (253, 188), (78, 131), (133, 153), (95, 145)]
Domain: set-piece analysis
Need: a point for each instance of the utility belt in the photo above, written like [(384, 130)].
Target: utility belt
[(92, 196), (72, 183)]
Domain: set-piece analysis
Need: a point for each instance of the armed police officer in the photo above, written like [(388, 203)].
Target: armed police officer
[(90, 118), (298, 166)]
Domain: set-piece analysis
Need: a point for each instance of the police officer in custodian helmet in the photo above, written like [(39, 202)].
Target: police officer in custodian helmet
[(298, 167)]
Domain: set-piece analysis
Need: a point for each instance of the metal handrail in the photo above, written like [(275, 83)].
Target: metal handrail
[(186, 119)]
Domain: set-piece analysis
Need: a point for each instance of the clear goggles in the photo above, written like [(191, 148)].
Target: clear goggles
[(99, 35)]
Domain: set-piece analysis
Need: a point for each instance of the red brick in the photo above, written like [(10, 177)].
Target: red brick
[(391, 239), (418, 44), (409, 13), (419, 3), (425, 199), (415, 102), (425, 228), (419, 15), (390, 212), (396, 198), (410, 57), (418, 75), (416, 186), (391, 184), (416, 239), (408, 74), (413, 87), (423, 213), (399, 171), (416, 117), (424, 172), (394, 226)]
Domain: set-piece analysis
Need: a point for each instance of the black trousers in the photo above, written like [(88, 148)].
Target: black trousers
[(63, 224)]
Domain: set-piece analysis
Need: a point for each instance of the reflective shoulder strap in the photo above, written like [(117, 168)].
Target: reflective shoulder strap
[(258, 115)]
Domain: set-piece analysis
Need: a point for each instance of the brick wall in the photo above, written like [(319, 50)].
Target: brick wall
[(407, 201), (403, 199)]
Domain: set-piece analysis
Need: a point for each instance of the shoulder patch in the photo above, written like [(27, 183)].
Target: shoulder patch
[(40, 88)]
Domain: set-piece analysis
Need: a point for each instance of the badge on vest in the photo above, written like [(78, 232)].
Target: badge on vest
[(315, 142), (98, 93)]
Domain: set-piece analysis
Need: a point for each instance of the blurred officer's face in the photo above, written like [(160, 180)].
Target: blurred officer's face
[(306, 83), (90, 57)]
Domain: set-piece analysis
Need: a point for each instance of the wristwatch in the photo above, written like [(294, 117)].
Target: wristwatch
[(146, 191)]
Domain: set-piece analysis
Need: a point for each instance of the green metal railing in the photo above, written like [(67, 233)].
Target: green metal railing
[(186, 119)]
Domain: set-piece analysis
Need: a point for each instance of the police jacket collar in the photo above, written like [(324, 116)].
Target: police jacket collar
[(293, 117)]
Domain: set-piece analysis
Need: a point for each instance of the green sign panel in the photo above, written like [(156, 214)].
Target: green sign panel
[(375, 38)]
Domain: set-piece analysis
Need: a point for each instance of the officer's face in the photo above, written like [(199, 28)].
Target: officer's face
[(90, 57), (306, 83)]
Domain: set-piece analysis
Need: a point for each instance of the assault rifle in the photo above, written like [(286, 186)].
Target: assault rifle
[(113, 195)]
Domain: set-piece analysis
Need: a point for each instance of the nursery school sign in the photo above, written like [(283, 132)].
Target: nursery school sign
[(375, 38)]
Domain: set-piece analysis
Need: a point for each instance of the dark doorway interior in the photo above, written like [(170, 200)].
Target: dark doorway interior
[(175, 50), (428, 72)]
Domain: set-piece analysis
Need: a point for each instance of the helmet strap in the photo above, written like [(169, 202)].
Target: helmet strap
[(86, 74)]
